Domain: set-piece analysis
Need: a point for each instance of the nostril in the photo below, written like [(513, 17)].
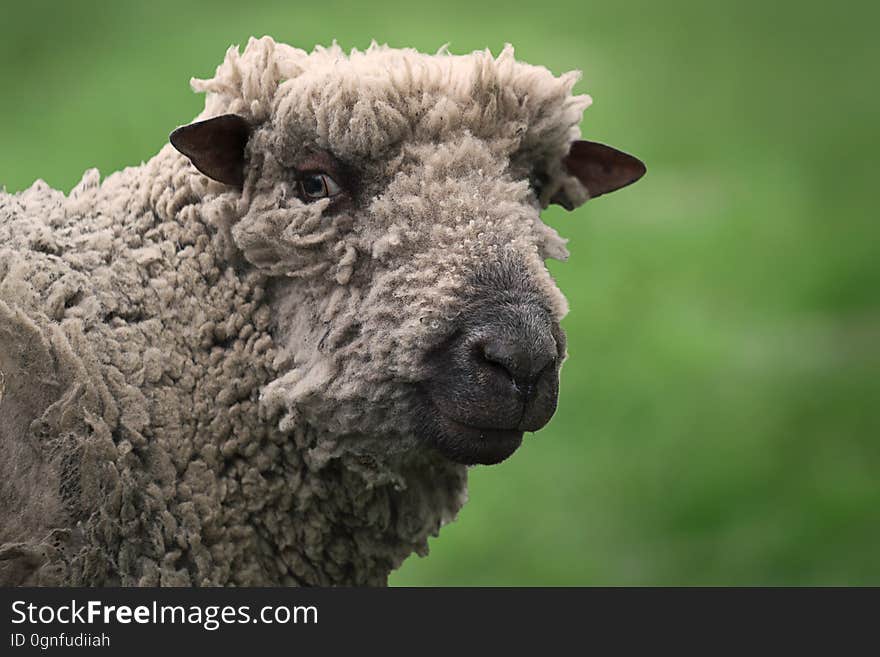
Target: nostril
[(502, 356), (521, 364)]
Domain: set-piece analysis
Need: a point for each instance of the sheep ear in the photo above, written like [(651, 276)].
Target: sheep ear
[(600, 169), (215, 147)]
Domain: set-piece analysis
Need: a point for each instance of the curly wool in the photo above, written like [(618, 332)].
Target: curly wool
[(206, 386)]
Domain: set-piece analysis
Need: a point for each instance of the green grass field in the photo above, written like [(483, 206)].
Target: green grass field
[(718, 420)]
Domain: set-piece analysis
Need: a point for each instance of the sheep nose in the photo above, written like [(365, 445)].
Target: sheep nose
[(522, 358), (503, 371), (495, 378)]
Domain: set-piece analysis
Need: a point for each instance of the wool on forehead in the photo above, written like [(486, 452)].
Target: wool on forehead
[(361, 103)]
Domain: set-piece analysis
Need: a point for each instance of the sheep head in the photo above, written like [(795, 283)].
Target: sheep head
[(394, 198)]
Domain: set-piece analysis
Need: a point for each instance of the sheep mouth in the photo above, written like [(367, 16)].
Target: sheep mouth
[(467, 444)]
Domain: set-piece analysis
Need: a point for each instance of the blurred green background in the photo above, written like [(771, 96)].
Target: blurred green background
[(718, 420)]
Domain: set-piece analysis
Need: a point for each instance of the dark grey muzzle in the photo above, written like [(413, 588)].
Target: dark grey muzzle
[(497, 375)]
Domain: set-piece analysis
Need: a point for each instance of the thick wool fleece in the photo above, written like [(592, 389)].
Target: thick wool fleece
[(201, 385)]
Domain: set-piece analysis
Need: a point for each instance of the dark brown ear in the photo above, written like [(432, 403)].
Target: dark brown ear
[(600, 168), (215, 147)]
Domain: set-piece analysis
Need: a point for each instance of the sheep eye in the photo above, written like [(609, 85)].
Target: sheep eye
[(318, 185)]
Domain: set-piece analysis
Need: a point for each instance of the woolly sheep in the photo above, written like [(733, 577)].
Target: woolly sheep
[(267, 355)]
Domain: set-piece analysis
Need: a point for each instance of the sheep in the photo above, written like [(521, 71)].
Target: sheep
[(268, 355)]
